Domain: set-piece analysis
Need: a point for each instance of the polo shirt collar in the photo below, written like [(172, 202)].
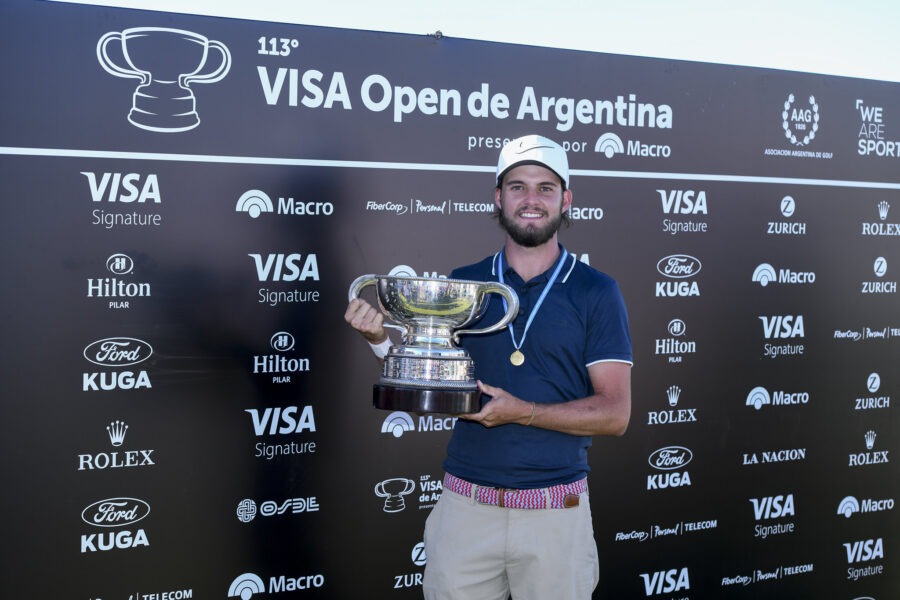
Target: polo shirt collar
[(510, 275)]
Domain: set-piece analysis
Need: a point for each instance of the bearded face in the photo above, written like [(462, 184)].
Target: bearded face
[(531, 202)]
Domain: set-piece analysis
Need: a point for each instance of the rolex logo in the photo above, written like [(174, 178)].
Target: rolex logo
[(870, 439), (673, 393), (116, 431), (883, 208)]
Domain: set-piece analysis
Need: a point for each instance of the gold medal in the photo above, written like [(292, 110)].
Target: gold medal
[(517, 358)]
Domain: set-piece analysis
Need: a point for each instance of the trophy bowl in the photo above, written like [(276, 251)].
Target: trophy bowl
[(428, 372)]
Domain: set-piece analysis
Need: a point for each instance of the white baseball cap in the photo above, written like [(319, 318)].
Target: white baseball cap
[(534, 150)]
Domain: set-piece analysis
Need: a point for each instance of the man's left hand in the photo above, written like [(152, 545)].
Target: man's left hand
[(501, 409)]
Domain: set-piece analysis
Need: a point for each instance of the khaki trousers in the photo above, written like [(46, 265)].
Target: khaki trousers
[(481, 552)]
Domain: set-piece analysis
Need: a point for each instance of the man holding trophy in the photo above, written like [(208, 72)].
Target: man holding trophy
[(514, 517)]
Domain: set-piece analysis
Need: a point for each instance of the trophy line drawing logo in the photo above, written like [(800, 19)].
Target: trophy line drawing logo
[(393, 490), (672, 394), (166, 61), (117, 430)]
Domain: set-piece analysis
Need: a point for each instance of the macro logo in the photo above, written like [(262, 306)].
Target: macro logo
[(279, 366), (116, 353), (397, 423), (678, 267), (254, 203), (100, 461), (764, 274), (759, 397), (244, 586), (114, 513), (666, 582), (609, 144), (669, 459), (850, 506)]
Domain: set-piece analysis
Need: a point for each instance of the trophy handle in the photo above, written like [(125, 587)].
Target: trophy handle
[(216, 75), (112, 68), (357, 286), (512, 308)]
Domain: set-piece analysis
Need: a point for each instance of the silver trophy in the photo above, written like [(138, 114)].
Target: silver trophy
[(428, 372)]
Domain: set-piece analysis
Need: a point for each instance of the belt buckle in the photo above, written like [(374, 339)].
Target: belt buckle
[(500, 496)]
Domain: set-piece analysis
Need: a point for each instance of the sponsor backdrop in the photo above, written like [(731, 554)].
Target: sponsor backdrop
[(188, 199)]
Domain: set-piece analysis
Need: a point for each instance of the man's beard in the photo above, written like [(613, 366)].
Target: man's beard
[(530, 236)]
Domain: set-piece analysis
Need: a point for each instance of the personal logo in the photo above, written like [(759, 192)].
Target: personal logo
[(119, 193), (116, 353), (782, 327), (870, 456), (166, 61), (769, 508), (787, 206), (282, 421), (256, 202), (278, 366), (759, 397), (673, 347), (393, 491), (872, 138), (677, 268), (764, 274), (684, 210), (286, 268), (114, 513), (881, 286), (100, 461), (666, 582), (671, 460), (247, 508), (672, 414), (873, 384), (118, 293), (880, 227), (849, 506)]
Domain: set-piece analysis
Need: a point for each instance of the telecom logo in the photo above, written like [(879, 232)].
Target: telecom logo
[(609, 144), (278, 366), (672, 415), (873, 384), (864, 551), (869, 457), (114, 513), (764, 274), (683, 204), (247, 508), (769, 508), (669, 459), (871, 140), (393, 491), (678, 267), (399, 422), (116, 353), (666, 582), (879, 287), (759, 397), (849, 506), (116, 291), (673, 348), (280, 421), (123, 188), (285, 268), (100, 461), (782, 327), (787, 206), (257, 202), (881, 228), (760, 576)]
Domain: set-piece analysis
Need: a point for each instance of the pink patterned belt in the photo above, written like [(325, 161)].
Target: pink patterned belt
[(558, 496)]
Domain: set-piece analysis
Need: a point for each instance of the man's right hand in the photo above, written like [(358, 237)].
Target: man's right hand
[(367, 320)]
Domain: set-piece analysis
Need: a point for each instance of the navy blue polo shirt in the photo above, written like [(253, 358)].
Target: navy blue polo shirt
[(582, 321)]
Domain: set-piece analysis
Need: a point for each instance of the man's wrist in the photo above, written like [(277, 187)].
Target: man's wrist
[(382, 348)]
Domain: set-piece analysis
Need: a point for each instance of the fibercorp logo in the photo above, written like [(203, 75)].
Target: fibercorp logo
[(678, 267), (116, 353)]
